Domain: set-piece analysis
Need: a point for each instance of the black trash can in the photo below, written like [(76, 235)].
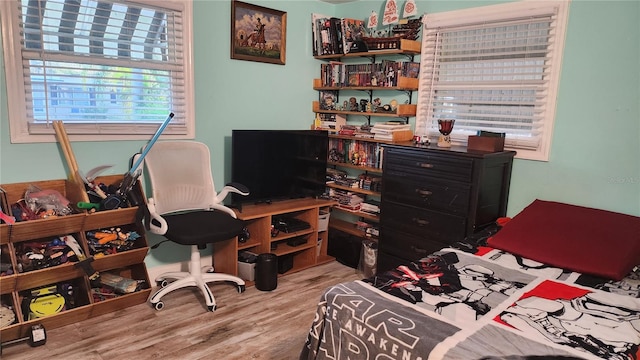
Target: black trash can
[(267, 272)]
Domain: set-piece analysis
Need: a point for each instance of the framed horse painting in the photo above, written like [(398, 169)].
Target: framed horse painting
[(258, 33)]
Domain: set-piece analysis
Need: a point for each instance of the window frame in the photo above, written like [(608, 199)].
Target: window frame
[(17, 108), (495, 13)]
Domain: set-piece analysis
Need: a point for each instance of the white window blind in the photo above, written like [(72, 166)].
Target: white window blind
[(493, 68), (103, 67)]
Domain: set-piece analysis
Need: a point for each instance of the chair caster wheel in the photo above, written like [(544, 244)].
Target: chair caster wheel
[(241, 288), (211, 308), (162, 283), (159, 305)]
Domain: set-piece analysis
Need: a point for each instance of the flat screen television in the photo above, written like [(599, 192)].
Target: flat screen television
[(278, 164)]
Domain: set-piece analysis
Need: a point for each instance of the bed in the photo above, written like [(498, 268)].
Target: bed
[(555, 281)]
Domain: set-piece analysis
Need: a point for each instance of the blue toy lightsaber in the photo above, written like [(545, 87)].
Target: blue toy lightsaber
[(150, 144), (130, 178)]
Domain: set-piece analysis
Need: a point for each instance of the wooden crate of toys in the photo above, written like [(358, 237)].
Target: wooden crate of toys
[(53, 253)]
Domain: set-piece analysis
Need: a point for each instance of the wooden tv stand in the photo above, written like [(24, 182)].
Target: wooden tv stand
[(259, 216)]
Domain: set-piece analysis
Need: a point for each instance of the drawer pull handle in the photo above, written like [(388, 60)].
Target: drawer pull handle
[(425, 165), (424, 192), (421, 222)]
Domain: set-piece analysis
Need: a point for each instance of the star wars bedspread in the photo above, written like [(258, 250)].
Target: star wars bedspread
[(459, 305)]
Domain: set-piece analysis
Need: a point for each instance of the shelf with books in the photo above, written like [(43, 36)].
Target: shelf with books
[(353, 189), (358, 213), (354, 152), (379, 77), (352, 166), (345, 226), (404, 84), (367, 139)]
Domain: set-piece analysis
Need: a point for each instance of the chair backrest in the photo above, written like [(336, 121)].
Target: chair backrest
[(179, 173)]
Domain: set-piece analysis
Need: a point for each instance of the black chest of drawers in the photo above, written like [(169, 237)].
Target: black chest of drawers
[(434, 197)]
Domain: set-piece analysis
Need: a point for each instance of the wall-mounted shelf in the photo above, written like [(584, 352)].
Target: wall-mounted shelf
[(403, 111), (407, 47)]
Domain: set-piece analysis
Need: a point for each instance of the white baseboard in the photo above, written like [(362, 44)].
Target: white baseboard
[(156, 271)]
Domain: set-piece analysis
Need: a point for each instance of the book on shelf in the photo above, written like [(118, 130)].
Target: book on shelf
[(315, 32), (382, 127), (348, 130), (370, 182), (327, 35), (383, 74), (355, 152), (336, 35), (410, 69), (364, 135), (329, 122), (388, 131), (352, 30), (372, 231), (398, 135), (333, 35), (391, 73)]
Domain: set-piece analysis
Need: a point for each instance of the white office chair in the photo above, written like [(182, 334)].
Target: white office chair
[(185, 208)]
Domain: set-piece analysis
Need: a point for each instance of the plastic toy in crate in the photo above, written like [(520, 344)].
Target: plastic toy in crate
[(40, 204), (111, 241), (7, 315), (35, 255), (48, 300)]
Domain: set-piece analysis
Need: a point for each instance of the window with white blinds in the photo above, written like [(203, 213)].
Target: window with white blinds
[(494, 68), (108, 68)]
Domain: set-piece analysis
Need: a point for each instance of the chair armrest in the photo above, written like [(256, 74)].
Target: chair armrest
[(231, 188), (156, 219), (240, 187), (224, 208)]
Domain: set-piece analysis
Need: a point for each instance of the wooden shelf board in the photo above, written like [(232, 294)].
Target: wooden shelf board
[(358, 213), (111, 305), (345, 226), (404, 84), (356, 190), (403, 110), (352, 166), (125, 258), (407, 47), (43, 277), (280, 207), (350, 137), (284, 249), (7, 284), (248, 245)]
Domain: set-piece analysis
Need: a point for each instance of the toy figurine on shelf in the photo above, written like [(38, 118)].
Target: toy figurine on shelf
[(377, 103), (353, 104), (363, 105)]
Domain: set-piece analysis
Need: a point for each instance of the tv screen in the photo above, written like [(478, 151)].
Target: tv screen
[(278, 164)]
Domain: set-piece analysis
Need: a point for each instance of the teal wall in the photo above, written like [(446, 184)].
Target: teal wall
[(595, 154)]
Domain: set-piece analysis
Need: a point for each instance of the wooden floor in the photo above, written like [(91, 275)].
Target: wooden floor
[(251, 325)]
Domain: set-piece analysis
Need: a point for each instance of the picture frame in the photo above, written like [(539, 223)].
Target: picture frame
[(258, 33)]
